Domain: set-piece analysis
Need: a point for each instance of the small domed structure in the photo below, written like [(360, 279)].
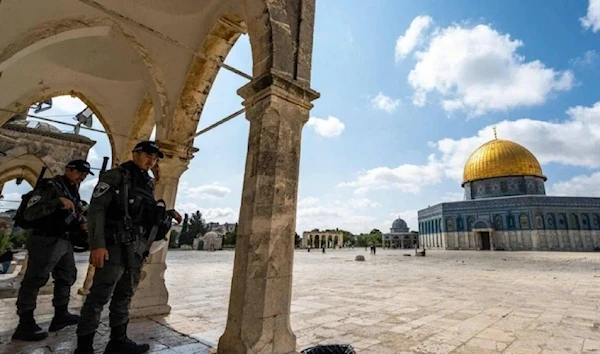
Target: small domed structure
[(399, 235), (211, 241), (399, 225), (211, 234)]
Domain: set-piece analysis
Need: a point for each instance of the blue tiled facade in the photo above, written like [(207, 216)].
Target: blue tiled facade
[(541, 222)]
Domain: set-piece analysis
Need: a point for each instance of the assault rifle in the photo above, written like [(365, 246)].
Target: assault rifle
[(40, 177), (79, 237)]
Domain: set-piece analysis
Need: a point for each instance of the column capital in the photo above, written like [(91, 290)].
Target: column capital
[(272, 84), (173, 149)]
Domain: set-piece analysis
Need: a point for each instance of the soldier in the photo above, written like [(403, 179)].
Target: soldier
[(124, 221), (51, 212)]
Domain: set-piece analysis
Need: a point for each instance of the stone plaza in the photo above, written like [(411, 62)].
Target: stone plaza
[(447, 302)]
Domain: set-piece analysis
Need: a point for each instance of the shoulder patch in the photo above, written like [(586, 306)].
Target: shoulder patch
[(100, 189), (34, 200)]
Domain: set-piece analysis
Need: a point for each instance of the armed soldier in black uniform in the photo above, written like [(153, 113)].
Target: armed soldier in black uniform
[(124, 220), (53, 211)]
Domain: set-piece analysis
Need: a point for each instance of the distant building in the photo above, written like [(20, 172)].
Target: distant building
[(220, 229), (506, 208), (211, 241), (399, 236), (320, 239)]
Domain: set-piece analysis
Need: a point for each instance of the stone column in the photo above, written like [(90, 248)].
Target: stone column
[(261, 288), (151, 296)]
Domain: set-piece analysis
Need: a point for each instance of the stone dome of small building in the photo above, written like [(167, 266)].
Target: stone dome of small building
[(399, 225), (211, 234)]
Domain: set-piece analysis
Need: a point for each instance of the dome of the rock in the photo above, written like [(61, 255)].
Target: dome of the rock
[(501, 158)]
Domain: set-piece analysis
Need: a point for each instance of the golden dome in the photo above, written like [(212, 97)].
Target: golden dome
[(501, 158)]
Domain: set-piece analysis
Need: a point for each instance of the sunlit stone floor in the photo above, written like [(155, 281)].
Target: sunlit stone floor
[(447, 302)]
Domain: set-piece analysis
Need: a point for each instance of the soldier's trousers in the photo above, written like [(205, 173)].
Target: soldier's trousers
[(116, 279), (47, 255)]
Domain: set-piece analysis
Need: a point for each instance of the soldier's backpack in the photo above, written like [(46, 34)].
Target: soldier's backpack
[(20, 215)]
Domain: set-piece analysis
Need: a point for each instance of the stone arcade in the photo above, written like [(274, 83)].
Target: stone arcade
[(506, 208), (169, 54), (320, 239)]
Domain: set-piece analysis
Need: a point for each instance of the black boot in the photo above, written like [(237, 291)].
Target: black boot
[(120, 344), (62, 318), (85, 344), (28, 330)]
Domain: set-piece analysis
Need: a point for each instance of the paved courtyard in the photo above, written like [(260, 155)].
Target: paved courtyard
[(447, 302)]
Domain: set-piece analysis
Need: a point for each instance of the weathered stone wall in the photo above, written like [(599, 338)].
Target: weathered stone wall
[(32, 148)]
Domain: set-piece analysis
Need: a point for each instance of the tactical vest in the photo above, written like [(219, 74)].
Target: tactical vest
[(140, 204)]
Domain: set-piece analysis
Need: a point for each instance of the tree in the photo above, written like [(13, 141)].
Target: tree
[(174, 239), (348, 237), (4, 242), (230, 237), (194, 226), (297, 240)]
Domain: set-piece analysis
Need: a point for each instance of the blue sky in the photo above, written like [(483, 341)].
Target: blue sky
[(408, 90)]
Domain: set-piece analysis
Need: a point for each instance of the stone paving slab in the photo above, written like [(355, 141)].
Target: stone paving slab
[(447, 302)]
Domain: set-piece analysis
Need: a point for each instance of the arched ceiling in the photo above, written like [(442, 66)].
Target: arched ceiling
[(112, 52)]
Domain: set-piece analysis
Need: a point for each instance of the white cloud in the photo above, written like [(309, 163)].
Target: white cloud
[(10, 201), (328, 128), (207, 191), (67, 105), (478, 70), (385, 103), (412, 37), (330, 213), (578, 186), (93, 156), (407, 178), (220, 215), (574, 142), (592, 19), (88, 184), (588, 59)]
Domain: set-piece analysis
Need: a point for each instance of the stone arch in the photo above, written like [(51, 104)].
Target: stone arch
[(201, 74), (90, 99), (279, 39), (481, 224), (26, 171), (57, 31)]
